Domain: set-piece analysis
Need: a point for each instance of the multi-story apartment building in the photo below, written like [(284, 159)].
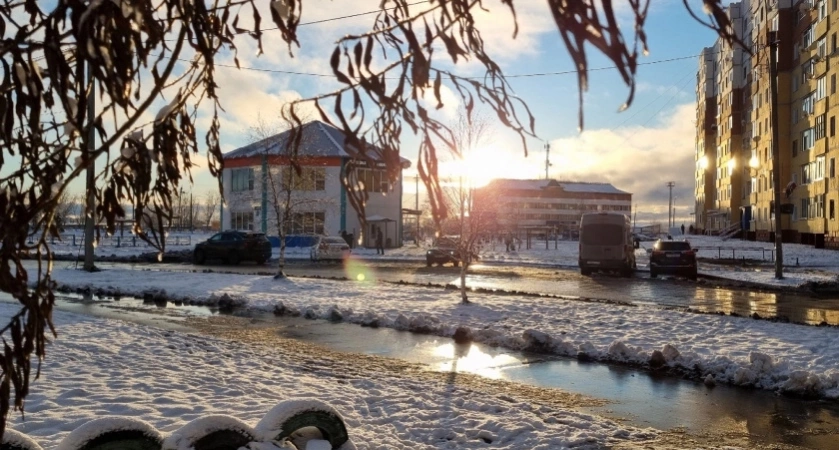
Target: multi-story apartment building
[(257, 177), (539, 206), (734, 110)]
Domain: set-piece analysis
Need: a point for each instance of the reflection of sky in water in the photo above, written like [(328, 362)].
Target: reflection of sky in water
[(471, 359)]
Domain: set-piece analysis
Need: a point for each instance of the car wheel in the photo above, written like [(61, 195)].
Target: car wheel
[(260, 261), (693, 276), (198, 257), (233, 258), (456, 263), (585, 272), (653, 274), (428, 263)]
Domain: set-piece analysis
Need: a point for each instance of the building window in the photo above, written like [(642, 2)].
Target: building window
[(820, 92), (833, 83), (307, 223), (819, 168), (831, 170), (795, 148), (808, 36), (373, 180), (831, 126), (831, 209), (807, 139), (309, 179), (242, 180), (242, 220), (819, 127), (823, 9), (806, 173)]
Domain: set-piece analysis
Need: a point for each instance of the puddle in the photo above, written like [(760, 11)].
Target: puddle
[(644, 399), (638, 397)]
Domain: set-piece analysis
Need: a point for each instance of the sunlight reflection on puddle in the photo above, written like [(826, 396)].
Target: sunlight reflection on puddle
[(471, 359)]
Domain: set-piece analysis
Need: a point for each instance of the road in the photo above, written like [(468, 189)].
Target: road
[(705, 295)]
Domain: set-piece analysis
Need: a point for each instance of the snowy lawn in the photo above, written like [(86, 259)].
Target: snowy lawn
[(741, 351), (98, 368)]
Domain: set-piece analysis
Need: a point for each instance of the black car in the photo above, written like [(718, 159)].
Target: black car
[(445, 251), (233, 247), (673, 258)]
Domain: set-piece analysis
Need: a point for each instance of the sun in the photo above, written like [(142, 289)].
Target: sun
[(490, 162)]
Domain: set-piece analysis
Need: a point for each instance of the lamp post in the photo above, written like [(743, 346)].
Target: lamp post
[(670, 200), (777, 170)]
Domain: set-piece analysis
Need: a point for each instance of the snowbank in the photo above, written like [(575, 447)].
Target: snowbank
[(789, 358)]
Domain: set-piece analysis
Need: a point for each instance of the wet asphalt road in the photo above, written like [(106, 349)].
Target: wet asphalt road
[(706, 295)]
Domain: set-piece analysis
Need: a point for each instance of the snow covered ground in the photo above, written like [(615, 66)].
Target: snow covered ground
[(775, 356), (104, 367), (99, 368)]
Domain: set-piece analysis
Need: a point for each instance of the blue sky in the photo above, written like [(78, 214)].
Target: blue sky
[(638, 150)]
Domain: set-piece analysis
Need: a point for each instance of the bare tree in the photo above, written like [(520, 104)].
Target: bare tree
[(129, 52), (471, 132), (289, 181), (207, 209)]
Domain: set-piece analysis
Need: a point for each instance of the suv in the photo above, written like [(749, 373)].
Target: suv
[(673, 257), (233, 247), (444, 251)]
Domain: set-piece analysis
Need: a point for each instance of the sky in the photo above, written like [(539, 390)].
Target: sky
[(638, 150)]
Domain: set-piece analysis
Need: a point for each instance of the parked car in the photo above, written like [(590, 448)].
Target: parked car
[(444, 251), (329, 248), (233, 247), (674, 258)]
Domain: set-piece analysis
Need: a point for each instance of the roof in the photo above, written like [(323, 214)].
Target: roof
[(568, 186), (318, 139)]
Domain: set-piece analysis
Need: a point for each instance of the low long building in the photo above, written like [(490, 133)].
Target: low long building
[(521, 206)]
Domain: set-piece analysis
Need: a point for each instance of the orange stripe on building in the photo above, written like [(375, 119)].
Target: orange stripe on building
[(251, 161)]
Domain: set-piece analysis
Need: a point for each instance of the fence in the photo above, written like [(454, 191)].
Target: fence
[(204, 433), (119, 241), (739, 252)]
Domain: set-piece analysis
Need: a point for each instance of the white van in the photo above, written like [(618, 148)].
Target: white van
[(606, 244)]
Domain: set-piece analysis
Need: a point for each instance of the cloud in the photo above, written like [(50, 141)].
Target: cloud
[(635, 159)]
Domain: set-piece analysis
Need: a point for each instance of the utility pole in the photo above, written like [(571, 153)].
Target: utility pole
[(417, 207), (670, 200), (547, 163), (90, 183), (777, 170)]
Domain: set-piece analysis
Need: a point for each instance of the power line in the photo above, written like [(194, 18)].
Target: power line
[(522, 75)]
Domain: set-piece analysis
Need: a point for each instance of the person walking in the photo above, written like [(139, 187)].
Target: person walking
[(380, 248), (683, 228)]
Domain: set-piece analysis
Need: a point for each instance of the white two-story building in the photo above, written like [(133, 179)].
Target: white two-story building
[(319, 202)]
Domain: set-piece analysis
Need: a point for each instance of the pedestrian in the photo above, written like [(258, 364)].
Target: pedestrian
[(380, 248), (683, 228)]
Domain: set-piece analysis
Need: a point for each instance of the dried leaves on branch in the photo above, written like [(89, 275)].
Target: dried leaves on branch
[(125, 55), (390, 76)]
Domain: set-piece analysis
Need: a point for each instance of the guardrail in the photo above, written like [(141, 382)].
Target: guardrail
[(205, 433)]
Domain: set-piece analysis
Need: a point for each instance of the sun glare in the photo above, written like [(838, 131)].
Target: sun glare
[(485, 164)]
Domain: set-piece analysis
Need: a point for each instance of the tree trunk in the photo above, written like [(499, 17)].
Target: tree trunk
[(464, 264), (281, 261)]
